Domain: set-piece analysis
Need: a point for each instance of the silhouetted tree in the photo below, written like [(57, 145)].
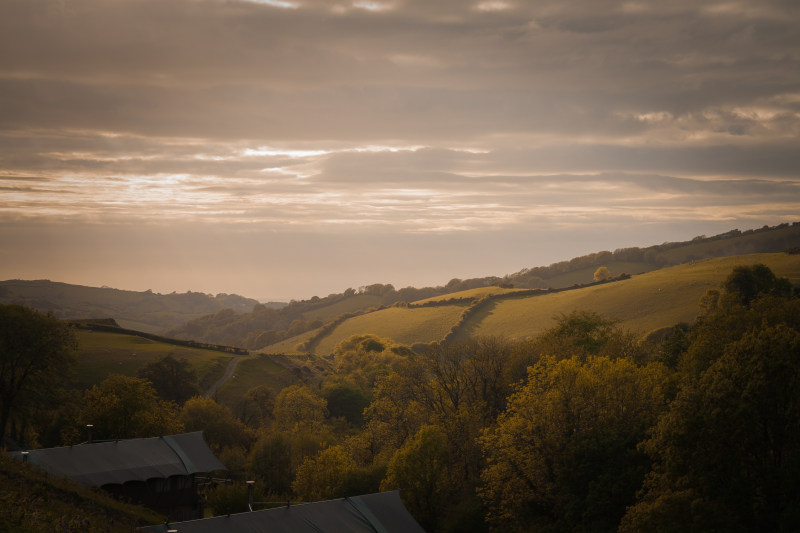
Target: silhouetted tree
[(174, 379), (36, 356)]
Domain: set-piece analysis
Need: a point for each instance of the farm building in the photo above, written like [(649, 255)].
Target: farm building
[(382, 513), (159, 472)]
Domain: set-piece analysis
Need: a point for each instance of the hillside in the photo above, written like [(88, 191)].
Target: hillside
[(101, 353), (33, 501), (143, 311), (642, 303), (241, 322), (267, 327)]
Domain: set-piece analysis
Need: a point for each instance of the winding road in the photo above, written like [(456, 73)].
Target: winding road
[(231, 368)]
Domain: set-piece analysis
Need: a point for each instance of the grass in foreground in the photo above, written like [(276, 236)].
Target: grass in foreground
[(33, 501)]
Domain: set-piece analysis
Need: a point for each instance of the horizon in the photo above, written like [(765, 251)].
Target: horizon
[(265, 300), (287, 149)]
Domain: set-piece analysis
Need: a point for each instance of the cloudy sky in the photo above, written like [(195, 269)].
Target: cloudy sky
[(288, 148)]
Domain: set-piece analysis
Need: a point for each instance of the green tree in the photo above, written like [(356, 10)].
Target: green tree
[(122, 407), (584, 333), (420, 469), (323, 476), (220, 428), (297, 408), (563, 455), (746, 283), (271, 461), (174, 379), (346, 401), (602, 274), (255, 409), (36, 357), (727, 453)]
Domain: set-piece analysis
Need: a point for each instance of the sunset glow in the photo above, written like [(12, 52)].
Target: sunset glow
[(276, 150)]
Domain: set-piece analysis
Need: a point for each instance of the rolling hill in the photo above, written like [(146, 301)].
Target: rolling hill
[(641, 303), (143, 311)]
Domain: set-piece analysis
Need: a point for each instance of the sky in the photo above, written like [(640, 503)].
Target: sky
[(281, 149)]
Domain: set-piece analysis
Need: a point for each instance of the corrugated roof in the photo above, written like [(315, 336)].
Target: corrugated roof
[(372, 513), (104, 463)]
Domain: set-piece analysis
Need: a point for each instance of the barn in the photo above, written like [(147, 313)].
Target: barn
[(161, 473)]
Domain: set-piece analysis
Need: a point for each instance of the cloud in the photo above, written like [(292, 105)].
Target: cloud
[(405, 120)]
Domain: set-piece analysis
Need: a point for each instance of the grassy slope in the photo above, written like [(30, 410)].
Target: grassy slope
[(641, 304), (403, 325), (349, 305), (32, 501), (266, 370), (586, 275), (101, 353), (471, 293)]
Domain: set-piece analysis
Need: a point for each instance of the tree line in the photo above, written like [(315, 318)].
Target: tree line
[(582, 428)]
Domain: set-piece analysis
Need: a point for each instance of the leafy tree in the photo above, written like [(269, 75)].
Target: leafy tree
[(728, 450), (271, 461), (297, 408), (563, 455), (220, 428), (420, 469), (602, 274), (346, 401), (745, 283), (324, 475), (584, 333), (255, 409), (122, 407), (35, 359), (174, 379)]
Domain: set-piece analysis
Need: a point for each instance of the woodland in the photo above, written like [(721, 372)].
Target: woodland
[(585, 427)]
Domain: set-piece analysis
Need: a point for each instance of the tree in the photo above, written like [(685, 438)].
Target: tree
[(346, 401), (36, 356), (323, 476), (271, 461), (174, 379), (563, 455), (745, 283), (122, 407), (727, 453), (220, 428), (602, 274), (420, 469), (255, 409), (297, 407)]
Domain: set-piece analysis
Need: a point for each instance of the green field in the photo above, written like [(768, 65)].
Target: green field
[(348, 305), (263, 369), (643, 303), (100, 354), (586, 275), (403, 325), (472, 294)]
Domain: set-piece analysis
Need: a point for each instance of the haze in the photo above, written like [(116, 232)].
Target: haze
[(282, 149)]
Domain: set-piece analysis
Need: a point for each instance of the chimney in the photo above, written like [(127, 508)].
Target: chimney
[(250, 487)]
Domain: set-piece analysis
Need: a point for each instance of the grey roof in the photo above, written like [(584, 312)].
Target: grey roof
[(104, 463), (372, 513)]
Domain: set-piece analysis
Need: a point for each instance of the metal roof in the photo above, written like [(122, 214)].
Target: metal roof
[(116, 462), (372, 513)]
